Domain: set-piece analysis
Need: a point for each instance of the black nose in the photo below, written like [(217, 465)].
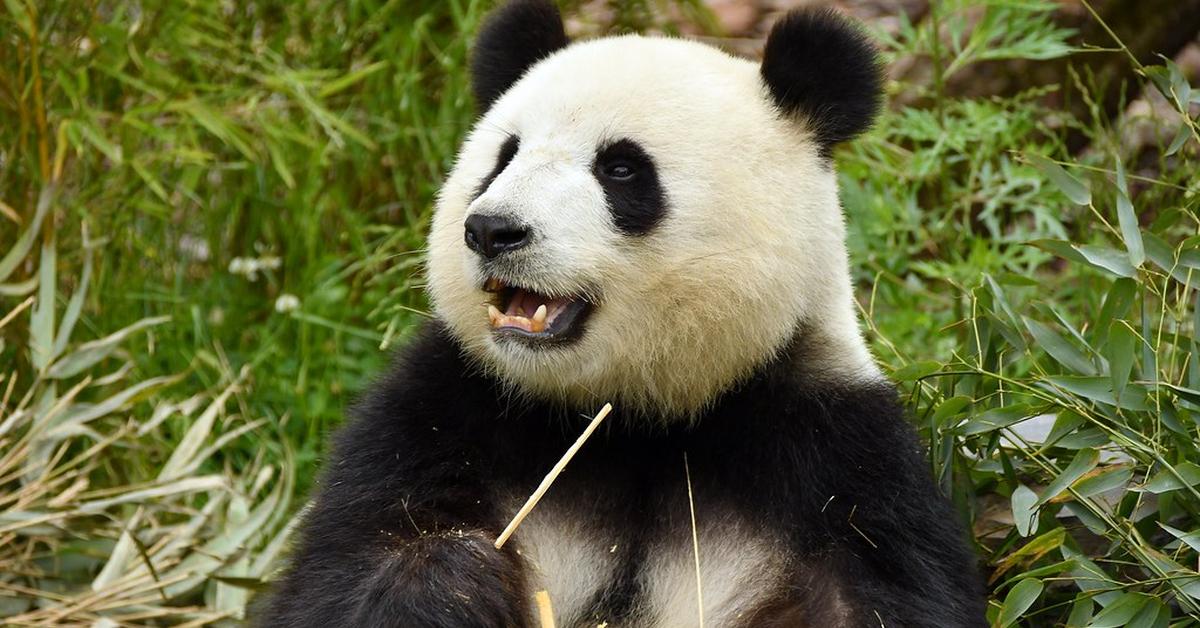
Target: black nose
[(492, 235)]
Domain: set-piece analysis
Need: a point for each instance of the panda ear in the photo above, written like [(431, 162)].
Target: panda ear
[(822, 68), (513, 38)]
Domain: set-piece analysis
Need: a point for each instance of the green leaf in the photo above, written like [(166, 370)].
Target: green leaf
[(20, 15), (1191, 539), (1019, 599), (101, 143), (1108, 260), (41, 320), (1185, 474), (1130, 230), (74, 306), (1188, 394), (1024, 510), (92, 352), (1181, 137), (1122, 342), (1073, 188), (1119, 612), (1085, 460), (1181, 91), (1119, 300), (916, 370), (1081, 612), (1059, 348), (345, 82), (995, 419), (1149, 616), (1109, 479), (1100, 389), (24, 243), (1088, 576), (950, 408), (189, 446)]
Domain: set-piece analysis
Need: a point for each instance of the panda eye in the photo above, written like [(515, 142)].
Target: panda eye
[(619, 171)]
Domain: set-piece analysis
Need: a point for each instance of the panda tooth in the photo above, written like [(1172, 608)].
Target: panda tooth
[(495, 316), (538, 323)]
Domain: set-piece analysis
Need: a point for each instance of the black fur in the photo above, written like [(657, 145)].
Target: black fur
[(400, 532), (821, 67), (512, 39), (637, 202), (508, 150)]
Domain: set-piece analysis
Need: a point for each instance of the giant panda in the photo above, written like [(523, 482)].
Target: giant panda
[(650, 222)]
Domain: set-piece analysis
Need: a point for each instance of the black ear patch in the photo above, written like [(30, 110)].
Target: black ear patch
[(513, 38), (820, 66)]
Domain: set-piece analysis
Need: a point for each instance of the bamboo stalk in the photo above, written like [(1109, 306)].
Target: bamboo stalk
[(550, 477), (545, 610)]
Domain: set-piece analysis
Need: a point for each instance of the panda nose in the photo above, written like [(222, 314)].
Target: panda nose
[(490, 236)]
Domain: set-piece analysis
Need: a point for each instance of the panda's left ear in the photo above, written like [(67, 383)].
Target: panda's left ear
[(512, 39), (822, 68)]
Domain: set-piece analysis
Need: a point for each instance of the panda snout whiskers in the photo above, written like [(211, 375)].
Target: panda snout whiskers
[(526, 315)]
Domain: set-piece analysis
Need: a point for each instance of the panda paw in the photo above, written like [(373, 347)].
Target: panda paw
[(454, 579)]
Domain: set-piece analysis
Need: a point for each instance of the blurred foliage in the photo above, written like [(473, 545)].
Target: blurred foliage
[(241, 190), (1041, 312)]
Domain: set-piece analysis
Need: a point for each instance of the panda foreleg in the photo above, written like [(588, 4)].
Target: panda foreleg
[(401, 531), (365, 562)]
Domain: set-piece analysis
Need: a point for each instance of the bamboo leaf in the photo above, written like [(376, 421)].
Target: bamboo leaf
[(1024, 510), (1019, 599), (1085, 460), (1179, 476), (92, 352), (195, 437), (1100, 389), (1110, 261), (1073, 188), (1191, 539), (74, 306), (1119, 612), (1104, 480), (1181, 137), (1059, 348), (995, 419), (41, 320), (24, 243), (1122, 342), (1130, 230)]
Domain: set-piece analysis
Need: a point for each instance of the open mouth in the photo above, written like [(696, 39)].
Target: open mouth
[(525, 314)]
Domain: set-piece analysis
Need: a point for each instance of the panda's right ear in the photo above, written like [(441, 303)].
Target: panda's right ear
[(512, 39)]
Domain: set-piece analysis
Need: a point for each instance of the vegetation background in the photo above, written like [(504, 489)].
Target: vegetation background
[(211, 221)]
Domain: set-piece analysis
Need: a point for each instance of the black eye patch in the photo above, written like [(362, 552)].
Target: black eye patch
[(631, 187), (508, 150)]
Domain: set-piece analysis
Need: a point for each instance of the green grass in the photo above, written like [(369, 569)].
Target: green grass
[(176, 145)]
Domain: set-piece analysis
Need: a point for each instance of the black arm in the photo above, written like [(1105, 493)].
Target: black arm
[(401, 530)]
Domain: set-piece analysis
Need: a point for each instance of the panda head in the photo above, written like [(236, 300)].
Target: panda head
[(645, 220)]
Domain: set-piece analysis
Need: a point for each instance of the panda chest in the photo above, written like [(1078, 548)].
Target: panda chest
[(604, 568)]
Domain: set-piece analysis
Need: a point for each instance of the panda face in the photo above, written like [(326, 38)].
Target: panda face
[(634, 221)]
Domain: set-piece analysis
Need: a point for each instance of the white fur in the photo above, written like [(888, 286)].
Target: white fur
[(739, 570), (569, 557), (751, 245), (573, 558)]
